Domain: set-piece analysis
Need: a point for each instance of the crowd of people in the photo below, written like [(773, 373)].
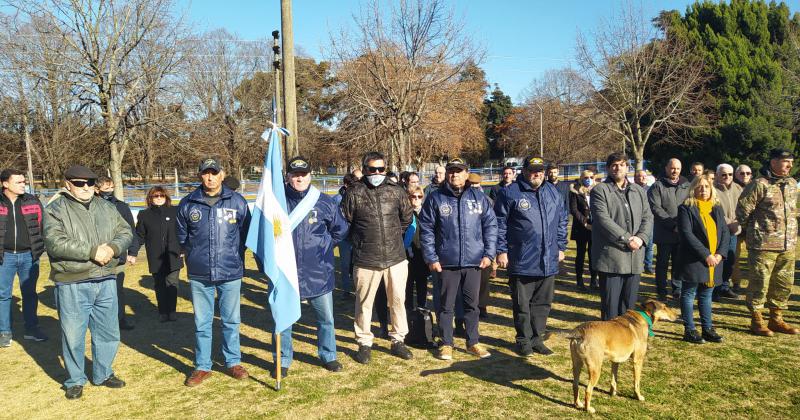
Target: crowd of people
[(396, 238)]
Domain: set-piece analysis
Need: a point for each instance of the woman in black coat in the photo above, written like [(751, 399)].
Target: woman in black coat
[(156, 230), (582, 226), (704, 239)]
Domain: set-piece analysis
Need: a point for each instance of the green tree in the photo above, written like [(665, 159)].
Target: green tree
[(496, 108)]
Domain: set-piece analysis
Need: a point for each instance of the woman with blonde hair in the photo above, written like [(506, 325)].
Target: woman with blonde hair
[(704, 236), (582, 226)]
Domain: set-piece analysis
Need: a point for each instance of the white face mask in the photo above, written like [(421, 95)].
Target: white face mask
[(376, 180)]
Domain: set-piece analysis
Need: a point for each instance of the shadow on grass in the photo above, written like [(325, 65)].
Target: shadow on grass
[(495, 371)]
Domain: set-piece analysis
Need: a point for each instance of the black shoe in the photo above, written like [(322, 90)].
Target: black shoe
[(126, 324), (363, 356), (163, 318), (676, 296), (715, 297), (649, 271), (581, 287), (711, 336), (728, 294), (112, 382), (662, 298), (400, 350), (523, 350), (541, 349), (284, 373), (738, 290), (693, 336), (333, 366), (594, 285), (384, 332), (74, 392)]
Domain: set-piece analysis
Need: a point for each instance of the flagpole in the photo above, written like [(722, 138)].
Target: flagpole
[(278, 362)]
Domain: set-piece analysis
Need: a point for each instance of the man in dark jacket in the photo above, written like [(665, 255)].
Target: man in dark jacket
[(562, 186), (84, 237), (507, 178), (321, 227), (436, 180), (345, 247), (531, 240), (621, 226), (21, 245), (458, 232), (212, 229), (105, 189), (379, 212), (665, 196)]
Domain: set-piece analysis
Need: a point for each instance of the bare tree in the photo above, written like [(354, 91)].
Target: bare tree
[(116, 52), (644, 81), (397, 60)]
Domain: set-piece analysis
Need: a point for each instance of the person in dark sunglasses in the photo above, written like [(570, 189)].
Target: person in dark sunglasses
[(743, 175), (728, 193)]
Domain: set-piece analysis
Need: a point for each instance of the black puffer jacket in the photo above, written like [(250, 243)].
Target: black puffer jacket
[(31, 210), (378, 218)]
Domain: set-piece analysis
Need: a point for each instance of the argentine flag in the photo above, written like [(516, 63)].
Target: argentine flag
[(270, 237)]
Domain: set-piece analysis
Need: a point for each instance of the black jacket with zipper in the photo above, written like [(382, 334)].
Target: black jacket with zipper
[(22, 220), (155, 229)]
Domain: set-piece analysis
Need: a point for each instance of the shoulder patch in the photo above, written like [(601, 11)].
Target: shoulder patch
[(195, 215)]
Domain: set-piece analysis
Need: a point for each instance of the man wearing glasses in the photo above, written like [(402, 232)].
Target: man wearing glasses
[(84, 237), (728, 193), (21, 245), (212, 227), (379, 212), (743, 175)]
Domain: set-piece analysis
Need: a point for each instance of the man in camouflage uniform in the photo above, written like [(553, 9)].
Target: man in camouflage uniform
[(767, 210)]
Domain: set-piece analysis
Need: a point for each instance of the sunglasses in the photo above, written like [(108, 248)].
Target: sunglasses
[(159, 196), (376, 169), (727, 174), (745, 173), (81, 184), (418, 197)]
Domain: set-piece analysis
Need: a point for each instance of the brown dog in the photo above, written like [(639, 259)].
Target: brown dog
[(616, 339)]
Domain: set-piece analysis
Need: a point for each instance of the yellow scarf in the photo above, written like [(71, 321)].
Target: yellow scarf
[(710, 225)]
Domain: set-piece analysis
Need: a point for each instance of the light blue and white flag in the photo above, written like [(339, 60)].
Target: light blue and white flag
[(270, 236)]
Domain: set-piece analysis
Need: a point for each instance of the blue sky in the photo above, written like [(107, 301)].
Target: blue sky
[(523, 39)]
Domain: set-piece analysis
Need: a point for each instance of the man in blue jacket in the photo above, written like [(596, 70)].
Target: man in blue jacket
[(212, 227), (320, 227), (458, 232), (532, 238)]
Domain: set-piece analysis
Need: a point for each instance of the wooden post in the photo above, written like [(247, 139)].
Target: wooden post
[(289, 95)]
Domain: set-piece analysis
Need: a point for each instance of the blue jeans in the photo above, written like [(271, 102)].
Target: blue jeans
[(326, 333), (703, 292), (203, 301), (92, 305), (21, 265), (648, 254), (345, 265)]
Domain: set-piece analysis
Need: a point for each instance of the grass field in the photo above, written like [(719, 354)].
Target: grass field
[(744, 377)]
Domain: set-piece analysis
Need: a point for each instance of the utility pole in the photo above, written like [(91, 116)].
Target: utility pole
[(289, 96)]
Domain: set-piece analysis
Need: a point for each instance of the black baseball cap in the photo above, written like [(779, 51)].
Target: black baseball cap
[(298, 164), (780, 153), (534, 163), (79, 172), (209, 163), (456, 163)]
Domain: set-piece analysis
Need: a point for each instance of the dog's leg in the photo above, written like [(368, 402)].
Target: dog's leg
[(614, 369), (638, 362), (593, 367), (577, 365)]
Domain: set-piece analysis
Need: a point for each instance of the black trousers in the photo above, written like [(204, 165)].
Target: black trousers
[(417, 281), (483, 296), (166, 287), (665, 253), (120, 296), (618, 293), (381, 305), (531, 298), (583, 246), (469, 280)]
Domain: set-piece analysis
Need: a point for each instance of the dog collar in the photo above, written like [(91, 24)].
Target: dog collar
[(649, 323)]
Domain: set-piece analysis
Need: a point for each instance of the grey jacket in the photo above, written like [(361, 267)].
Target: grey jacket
[(664, 198), (617, 215), (72, 234)]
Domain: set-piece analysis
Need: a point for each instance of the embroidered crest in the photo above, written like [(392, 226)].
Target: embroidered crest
[(195, 215), (474, 207), (445, 209), (524, 204), (312, 217)]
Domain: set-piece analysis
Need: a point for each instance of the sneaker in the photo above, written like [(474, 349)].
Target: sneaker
[(5, 339), (333, 366), (238, 372), (541, 349), (478, 351), (363, 356), (693, 336), (74, 392), (112, 382), (445, 353), (711, 335), (284, 373), (523, 350), (400, 350), (35, 334), (197, 377)]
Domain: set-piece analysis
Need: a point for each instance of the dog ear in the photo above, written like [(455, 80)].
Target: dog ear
[(650, 306)]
